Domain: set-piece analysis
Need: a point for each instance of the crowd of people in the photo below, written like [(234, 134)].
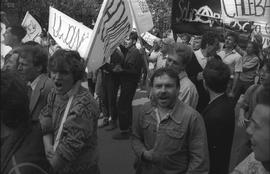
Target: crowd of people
[(208, 109)]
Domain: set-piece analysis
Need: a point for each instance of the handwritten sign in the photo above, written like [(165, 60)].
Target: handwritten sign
[(33, 29), (68, 33), (149, 38), (246, 10), (114, 24), (141, 15)]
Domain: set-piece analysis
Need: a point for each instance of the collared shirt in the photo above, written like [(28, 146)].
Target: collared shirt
[(200, 57), (35, 82), (232, 59), (250, 165), (179, 144), (211, 100), (188, 92)]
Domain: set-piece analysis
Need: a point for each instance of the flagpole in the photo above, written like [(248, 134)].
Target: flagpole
[(96, 28), (140, 39)]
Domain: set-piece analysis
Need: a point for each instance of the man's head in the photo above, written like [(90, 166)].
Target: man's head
[(259, 126), (14, 100), (131, 40), (265, 72), (216, 75), (32, 62), (165, 87), (231, 40), (210, 43), (14, 35), (196, 44), (178, 57), (186, 38)]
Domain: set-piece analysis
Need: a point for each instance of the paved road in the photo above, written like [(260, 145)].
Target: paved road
[(116, 156)]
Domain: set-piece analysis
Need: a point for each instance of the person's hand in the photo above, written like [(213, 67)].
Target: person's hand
[(117, 68), (241, 121), (148, 155), (49, 151), (200, 76)]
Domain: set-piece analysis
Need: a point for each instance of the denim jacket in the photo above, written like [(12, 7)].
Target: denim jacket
[(179, 142)]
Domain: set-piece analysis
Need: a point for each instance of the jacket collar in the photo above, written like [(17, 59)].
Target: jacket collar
[(172, 115)]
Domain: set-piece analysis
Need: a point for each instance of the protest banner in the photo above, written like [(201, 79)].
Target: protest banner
[(255, 10), (114, 24), (68, 33), (194, 16), (33, 29), (149, 38), (141, 15)]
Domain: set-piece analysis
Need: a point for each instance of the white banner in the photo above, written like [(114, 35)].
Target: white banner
[(68, 33), (149, 38), (32, 27), (141, 15), (114, 24), (245, 10)]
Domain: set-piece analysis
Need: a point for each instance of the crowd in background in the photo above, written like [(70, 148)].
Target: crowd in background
[(208, 109)]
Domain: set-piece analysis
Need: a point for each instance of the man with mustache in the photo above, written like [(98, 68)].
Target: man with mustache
[(169, 136), (32, 68)]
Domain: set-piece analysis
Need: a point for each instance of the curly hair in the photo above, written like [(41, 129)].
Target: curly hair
[(209, 38), (165, 71), (216, 75), (66, 61)]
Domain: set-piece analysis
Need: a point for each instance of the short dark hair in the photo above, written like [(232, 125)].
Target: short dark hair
[(181, 50), (209, 38), (165, 71), (256, 47), (14, 100), (31, 43), (234, 35), (18, 31), (133, 36), (263, 96), (67, 61), (38, 53), (216, 75)]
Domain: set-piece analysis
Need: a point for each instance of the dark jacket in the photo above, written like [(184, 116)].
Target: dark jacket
[(132, 65), (24, 151), (39, 96), (219, 122), (192, 69), (179, 143)]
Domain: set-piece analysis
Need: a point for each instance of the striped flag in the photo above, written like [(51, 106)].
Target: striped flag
[(114, 24)]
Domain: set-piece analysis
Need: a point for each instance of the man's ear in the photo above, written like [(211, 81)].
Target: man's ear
[(39, 68)]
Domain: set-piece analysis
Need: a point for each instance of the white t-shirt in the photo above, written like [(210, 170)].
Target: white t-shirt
[(233, 59)]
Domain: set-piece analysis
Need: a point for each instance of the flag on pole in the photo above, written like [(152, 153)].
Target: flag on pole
[(33, 29), (114, 24), (141, 15), (69, 33)]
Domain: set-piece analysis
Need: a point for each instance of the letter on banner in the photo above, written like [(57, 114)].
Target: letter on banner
[(114, 23), (149, 38), (255, 10), (32, 27), (68, 33), (142, 15)]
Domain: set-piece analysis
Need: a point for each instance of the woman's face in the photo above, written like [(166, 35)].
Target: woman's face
[(250, 49), (63, 81)]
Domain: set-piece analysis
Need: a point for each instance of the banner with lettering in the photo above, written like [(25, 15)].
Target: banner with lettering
[(248, 14), (32, 28), (255, 10), (141, 15), (149, 38), (114, 24), (194, 16), (68, 33)]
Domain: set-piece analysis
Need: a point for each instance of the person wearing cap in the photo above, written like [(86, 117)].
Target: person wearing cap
[(178, 57)]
